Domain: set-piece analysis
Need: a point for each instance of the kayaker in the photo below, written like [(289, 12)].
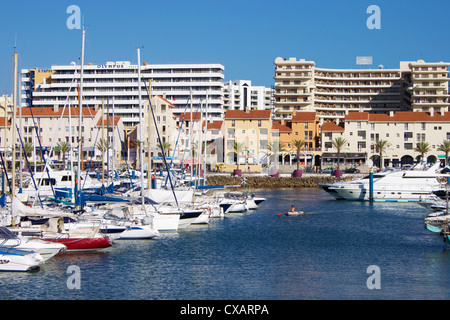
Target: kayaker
[(292, 208)]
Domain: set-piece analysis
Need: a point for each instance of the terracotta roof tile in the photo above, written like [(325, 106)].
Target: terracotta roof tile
[(108, 121), (280, 127), (331, 126), (304, 116), (252, 114), (50, 111)]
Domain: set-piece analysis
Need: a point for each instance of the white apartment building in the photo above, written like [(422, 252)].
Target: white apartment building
[(403, 130), (331, 93), (6, 103), (118, 83), (240, 94), (46, 127)]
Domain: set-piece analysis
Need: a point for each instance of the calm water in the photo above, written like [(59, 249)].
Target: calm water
[(262, 256)]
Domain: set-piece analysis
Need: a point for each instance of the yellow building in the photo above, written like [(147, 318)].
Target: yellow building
[(252, 130)]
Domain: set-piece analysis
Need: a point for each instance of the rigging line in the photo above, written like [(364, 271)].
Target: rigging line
[(161, 145), (122, 144), (90, 160), (42, 151), (176, 143), (29, 167), (58, 126)]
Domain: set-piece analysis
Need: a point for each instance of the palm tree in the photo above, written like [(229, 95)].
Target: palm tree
[(422, 147), (64, 147), (445, 147), (238, 147), (339, 144), (166, 146), (275, 148), (298, 146), (27, 148), (381, 146)]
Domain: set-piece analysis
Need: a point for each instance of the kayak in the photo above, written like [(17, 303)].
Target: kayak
[(292, 214)]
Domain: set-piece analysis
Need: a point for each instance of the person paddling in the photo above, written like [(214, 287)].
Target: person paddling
[(292, 208)]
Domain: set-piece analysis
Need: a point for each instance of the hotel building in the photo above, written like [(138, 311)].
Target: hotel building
[(117, 83), (402, 130), (332, 93), (240, 95)]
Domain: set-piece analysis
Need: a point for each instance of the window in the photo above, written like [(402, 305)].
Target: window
[(408, 146), (361, 145), (407, 135), (263, 144), (406, 126), (423, 126)]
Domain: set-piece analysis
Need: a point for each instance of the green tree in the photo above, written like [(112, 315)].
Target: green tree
[(166, 146), (298, 147), (381, 146), (339, 144), (64, 147), (238, 148), (422, 147), (27, 148), (445, 147)]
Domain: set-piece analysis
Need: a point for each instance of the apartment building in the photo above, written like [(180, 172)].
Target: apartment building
[(251, 128), (331, 93), (47, 127), (429, 83), (6, 103), (403, 130), (118, 83), (241, 94)]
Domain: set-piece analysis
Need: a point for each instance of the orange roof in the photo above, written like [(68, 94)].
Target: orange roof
[(357, 116), (331, 126), (280, 127), (187, 116), (2, 123), (170, 103), (304, 116), (215, 125), (50, 111), (108, 121), (252, 114)]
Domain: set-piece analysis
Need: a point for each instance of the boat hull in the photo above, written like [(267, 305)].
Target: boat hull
[(138, 232), (83, 244), (16, 260)]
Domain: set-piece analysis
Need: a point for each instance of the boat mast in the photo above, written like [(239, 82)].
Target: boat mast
[(141, 140), (13, 127), (149, 159), (80, 122)]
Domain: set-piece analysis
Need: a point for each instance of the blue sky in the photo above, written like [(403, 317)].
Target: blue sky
[(245, 36)]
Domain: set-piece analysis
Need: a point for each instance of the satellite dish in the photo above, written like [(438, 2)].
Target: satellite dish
[(380, 66)]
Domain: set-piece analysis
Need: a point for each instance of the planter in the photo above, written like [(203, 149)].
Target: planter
[(237, 172), (338, 173), (298, 173), (274, 173)]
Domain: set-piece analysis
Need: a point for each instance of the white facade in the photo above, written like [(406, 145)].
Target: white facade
[(118, 81), (240, 94)]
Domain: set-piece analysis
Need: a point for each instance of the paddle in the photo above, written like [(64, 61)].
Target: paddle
[(281, 213)]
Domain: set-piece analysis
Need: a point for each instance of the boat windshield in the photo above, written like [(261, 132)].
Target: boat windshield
[(5, 233)]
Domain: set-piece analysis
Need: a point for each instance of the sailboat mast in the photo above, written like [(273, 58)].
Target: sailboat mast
[(141, 140), (80, 121), (149, 159), (13, 126)]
